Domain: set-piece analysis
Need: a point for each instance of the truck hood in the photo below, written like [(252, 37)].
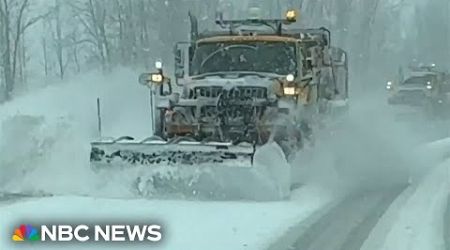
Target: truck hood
[(247, 81)]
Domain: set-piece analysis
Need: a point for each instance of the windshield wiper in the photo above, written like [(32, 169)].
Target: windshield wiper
[(203, 75), (260, 74)]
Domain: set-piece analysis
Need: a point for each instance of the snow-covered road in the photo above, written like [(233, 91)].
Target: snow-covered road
[(344, 226), (187, 225)]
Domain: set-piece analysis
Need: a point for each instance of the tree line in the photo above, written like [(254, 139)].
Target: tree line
[(79, 35)]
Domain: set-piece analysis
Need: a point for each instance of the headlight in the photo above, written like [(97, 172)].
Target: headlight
[(429, 87), (289, 91), (158, 65), (389, 83), (290, 78), (388, 87), (291, 15), (157, 78)]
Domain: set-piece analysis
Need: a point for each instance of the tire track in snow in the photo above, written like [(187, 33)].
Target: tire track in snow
[(446, 234), (8, 198), (345, 226)]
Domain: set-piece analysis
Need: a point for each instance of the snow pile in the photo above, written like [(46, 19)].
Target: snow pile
[(271, 165), (416, 219), (420, 222), (45, 135)]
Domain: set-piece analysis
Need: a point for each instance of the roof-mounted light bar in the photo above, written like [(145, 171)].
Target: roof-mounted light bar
[(291, 17)]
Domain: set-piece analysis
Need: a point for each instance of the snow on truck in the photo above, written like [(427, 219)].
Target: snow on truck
[(250, 94)]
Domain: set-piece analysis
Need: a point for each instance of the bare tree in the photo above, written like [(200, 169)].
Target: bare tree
[(92, 15), (15, 22), (44, 43), (8, 76), (59, 39)]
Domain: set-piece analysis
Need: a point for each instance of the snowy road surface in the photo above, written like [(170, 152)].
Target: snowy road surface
[(345, 226), (188, 225)]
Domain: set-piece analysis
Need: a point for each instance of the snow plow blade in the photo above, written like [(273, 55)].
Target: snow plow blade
[(117, 153), (213, 170)]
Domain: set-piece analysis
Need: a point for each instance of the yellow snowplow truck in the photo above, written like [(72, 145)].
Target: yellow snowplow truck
[(243, 100), (424, 88)]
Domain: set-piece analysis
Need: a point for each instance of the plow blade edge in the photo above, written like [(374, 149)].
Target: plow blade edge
[(192, 169)]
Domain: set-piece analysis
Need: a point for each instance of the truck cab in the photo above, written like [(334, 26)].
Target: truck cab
[(259, 63)]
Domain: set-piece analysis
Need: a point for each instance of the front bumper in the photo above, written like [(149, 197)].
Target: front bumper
[(412, 98)]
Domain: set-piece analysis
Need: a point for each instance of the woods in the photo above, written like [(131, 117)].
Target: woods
[(76, 36), (15, 20), (57, 38)]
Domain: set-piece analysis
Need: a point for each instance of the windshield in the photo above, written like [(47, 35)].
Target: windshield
[(418, 80), (268, 57)]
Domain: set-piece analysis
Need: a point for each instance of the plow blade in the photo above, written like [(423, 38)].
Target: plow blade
[(157, 153), (186, 169)]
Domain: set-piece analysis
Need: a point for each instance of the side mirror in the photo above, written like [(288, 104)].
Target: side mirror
[(179, 63), (183, 53), (339, 56), (144, 78)]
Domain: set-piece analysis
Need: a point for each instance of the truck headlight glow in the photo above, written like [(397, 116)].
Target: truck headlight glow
[(158, 65), (290, 78), (291, 15), (429, 87), (289, 90), (157, 78)]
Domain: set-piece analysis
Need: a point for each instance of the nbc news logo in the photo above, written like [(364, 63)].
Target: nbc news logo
[(85, 233), (25, 233)]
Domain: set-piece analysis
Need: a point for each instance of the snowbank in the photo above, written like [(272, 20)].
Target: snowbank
[(45, 135), (415, 221)]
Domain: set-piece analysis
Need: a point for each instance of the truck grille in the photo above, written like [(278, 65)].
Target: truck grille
[(417, 93), (214, 92)]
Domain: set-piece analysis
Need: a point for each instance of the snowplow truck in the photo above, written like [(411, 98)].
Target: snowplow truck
[(243, 100), (424, 88)]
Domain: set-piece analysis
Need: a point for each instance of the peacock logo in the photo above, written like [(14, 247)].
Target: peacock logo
[(25, 233)]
